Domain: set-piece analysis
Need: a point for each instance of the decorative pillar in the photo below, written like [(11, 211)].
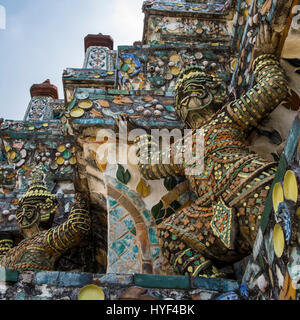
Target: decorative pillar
[(99, 52), (39, 108)]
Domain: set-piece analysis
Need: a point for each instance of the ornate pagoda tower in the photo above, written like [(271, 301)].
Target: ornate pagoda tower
[(75, 139)]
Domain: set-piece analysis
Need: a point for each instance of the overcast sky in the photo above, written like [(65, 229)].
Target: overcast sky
[(43, 37)]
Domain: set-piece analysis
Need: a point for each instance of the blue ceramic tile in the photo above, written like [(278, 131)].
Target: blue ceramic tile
[(21, 296), (128, 239), (8, 275), (128, 222), (228, 296), (244, 290), (146, 215), (114, 280), (135, 249), (112, 257), (117, 212), (155, 252), (120, 186), (215, 284), (152, 236), (63, 279), (160, 281), (118, 247), (112, 202), (136, 199), (120, 229)]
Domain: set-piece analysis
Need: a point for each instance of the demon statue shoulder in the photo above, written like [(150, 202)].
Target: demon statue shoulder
[(221, 225), (40, 249)]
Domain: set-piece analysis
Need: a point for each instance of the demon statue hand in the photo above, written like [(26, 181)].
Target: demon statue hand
[(221, 225), (40, 249)]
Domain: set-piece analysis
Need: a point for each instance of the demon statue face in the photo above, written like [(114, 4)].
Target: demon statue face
[(198, 95)]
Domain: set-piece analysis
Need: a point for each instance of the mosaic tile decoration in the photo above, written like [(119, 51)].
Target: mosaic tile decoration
[(96, 75), (215, 7), (127, 252), (99, 58), (156, 67), (50, 148), (39, 109), (272, 11), (191, 29), (145, 110), (273, 269)]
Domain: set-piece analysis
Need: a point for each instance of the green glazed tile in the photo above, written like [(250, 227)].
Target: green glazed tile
[(160, 281), (152, 236), (9, 275), (118, 247), (215, 284)]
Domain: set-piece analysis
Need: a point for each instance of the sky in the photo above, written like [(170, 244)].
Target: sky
[(44, 37)]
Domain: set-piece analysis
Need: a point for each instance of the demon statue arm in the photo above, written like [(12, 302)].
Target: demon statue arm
[(6, 243), (154, 163), (270, 88), (59, 239), (264, 97)]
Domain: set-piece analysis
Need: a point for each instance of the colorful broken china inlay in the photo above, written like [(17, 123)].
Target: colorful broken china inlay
[(156, 67), (143, 77), (91, 292), (168, 29), (52, 149), (49, 127), (277, 259), (97, 75), (38, 109), (277, 196), (219, 7), (290, 186), (144, 110), (128, 221), (100, 58), (250, 17), (278, 240)]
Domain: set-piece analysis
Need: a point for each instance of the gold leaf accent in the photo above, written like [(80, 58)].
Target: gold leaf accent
[(143, 189), (174, 194)]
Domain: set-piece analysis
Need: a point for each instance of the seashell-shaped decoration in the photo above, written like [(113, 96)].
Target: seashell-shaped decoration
[(147, 113), (255, 19), (11, 217), (157, 113), (140, 109), (250, 21), (160, 107), (20, 163), (198, 55)]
